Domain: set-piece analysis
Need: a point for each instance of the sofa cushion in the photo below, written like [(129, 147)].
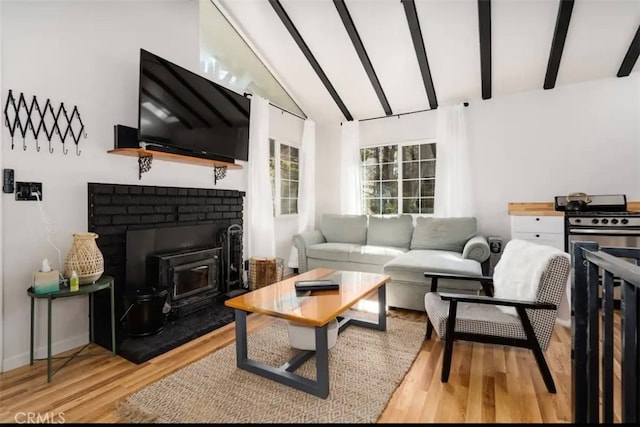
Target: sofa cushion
[(394, 231), (447, 234), (344, 228), (411, 266), (369, 254), (331, 251)]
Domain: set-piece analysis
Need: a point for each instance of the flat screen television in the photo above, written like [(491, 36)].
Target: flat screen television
[(184, 113)]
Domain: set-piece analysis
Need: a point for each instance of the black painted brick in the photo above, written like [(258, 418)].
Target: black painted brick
[(121, 189), (126, 219), (229, 215), (222, 208), (183, 191), (140, 209), (102, 189), (161, 191), (105, 230), (109, 210), (187, 217), (213, 201), (164, 209), (192, 191), (126, 200), (152, 219), (102, 220), (214, 215), (148, 190), (99, 199), (172, 191), (193, 200), (187, 209), (134, 189)]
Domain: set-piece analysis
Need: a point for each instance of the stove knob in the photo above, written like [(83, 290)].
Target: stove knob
[(605, 221), (624, 221), (614, 221), (594, 220)]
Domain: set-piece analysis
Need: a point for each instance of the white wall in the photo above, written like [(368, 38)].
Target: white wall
[(528, 147), (85, 54)]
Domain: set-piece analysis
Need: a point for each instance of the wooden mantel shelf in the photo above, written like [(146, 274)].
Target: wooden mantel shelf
[(140, 152)]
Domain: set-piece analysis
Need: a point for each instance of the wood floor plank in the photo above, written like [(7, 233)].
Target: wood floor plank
[(488, 383)]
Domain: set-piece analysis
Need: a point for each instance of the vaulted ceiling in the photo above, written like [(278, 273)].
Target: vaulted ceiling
[(360, 59)]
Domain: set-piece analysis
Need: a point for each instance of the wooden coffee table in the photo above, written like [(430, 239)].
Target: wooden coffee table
[(316, 309)]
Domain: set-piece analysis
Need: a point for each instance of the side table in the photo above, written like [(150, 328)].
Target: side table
[(104, 282)]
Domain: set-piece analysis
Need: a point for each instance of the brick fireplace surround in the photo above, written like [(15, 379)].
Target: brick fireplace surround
[(114, 209)]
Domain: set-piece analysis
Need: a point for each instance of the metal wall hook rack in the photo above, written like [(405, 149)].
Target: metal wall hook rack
[(35, 119)]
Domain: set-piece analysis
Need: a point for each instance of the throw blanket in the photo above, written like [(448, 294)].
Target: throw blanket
[(517, 274)]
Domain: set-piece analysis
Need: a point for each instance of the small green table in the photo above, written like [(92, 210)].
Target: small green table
[(104, 282)]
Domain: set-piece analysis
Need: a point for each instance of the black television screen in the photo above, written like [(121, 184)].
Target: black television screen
[(188, 114)]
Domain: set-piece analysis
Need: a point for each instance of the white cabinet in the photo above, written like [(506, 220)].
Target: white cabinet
[(545, 230)]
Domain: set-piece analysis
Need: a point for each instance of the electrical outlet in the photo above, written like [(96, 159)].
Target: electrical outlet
[(25, 190)]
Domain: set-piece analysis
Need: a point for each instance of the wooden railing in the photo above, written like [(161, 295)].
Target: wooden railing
[(592, 332)]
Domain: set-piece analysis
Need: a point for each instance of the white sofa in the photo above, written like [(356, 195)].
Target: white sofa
[(399, 247)]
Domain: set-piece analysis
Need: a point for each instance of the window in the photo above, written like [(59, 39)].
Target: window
[(285, 178), (398, 178)]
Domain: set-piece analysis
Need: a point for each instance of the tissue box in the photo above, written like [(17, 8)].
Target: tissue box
[(46, 282)]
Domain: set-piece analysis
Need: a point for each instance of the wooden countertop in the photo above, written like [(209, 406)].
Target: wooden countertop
[(546, 208)]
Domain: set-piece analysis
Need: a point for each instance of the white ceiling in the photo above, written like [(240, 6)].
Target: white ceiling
[(599, 35)]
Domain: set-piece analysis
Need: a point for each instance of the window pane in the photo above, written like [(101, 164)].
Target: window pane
[(410, 206), (284, 170), (284, 152), (426, 205), (293, 170), (293, 188), (410, 152), (293, 154), (389, 171), (390, 189), (410, 170), (376, 189), (272, 149), (368, 188), (428, 151), (410, 188), (428, 169), (372, 173), (390, 206), (369, 155), (372, 206), (427, 187), (284, 188), (389, 153), (294, 206)]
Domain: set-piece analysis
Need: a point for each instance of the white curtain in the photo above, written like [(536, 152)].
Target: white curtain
[(454, 196), (261, 240), (350, 185), (306, 186)]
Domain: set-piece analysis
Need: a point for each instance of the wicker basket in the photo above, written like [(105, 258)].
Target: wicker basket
[(264, 271), (85, 258)]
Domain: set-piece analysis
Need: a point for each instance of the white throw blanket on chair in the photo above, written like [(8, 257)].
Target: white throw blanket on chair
[(517, 274)]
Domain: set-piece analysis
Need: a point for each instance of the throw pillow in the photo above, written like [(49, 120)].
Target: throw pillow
[(393, 231), (446, 234), (517, 275), (338, 228)]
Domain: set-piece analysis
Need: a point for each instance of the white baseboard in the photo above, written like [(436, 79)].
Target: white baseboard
[(22, 359)]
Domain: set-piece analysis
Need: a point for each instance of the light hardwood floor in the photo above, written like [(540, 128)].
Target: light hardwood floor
[(488, 384)]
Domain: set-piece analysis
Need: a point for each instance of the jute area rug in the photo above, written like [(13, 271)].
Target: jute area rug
[(365, 368)]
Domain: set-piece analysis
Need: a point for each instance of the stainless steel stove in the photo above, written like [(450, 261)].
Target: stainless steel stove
[(605, 221)]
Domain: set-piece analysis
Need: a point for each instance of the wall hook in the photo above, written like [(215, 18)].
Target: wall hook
[(64, 149), (78, 152), (50, 147)]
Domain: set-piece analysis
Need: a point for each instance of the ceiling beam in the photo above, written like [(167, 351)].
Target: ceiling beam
[(557, 45), (293, 31), (631, 57), (484, 26), (362, 54), (421, 53)]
